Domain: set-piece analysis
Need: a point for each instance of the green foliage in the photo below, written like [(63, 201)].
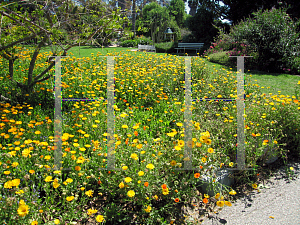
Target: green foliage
[(166, 47), (202, 27), (220, 58), (139, 40), (176, 9), (153, 22), (273, 36)]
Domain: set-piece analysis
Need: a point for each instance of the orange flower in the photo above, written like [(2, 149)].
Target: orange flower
[(126, 142), (135, 133), (146, 184), (176, 200), (197, 175), (201, 167), (144, 127), (205, 200), (254, 135), (164, 186)]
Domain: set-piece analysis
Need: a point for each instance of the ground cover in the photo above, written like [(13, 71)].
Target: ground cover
[(149, 135)]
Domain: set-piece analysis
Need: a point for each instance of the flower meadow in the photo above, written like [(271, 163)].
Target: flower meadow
[(146, 187)]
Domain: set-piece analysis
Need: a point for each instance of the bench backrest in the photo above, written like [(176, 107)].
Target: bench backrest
[(198, 45)]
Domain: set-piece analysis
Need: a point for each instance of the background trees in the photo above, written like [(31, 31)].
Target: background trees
[(58, 24), (154, 20)]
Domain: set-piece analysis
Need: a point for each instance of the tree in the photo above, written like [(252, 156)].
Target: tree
[(154, 21), (176, 9), (202, 25), (58, 24)]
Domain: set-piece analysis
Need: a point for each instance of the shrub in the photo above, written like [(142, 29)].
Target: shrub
[(273, 35), (165, 47), (220, 57), (139, 40), (129, 43)]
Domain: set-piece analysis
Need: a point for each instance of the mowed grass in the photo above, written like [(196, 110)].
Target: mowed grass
[(275, 83), (147, 187)]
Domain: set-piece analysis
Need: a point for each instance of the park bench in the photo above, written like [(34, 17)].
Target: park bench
[(146, 48), (189, 46)]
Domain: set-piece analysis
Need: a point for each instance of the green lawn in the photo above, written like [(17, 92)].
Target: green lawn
[(268, 82)]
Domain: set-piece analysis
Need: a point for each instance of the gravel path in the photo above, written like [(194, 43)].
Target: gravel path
[(277, 203)]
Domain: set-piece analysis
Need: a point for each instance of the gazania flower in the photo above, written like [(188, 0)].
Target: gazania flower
[(131, 193), (150, 166), (197, 175), (210, 150), (89, 193), (220, 203), (148, 209), (127, 179), (23, 210), (176, 200), (146, 184), (228, 203), (205, 200), (99, 218), (69, 198)]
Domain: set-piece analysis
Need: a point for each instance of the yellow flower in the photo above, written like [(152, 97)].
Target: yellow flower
[(56, 184), (254, 186), (217, 195), (15, 182), (180, 143), (6, 172), (231, 164), (34, 222), (48, 178), (148, 209), (179, 124), (92, 211), (23, 210), (121, 185), (203, 159), (139, 146), (14, 164), (56, 221), (210, 150), (124, 167), (220, 203), (131, 193), (206, 196), (70, 198), (141, 173), (134, 156), (173, 163), (37, 132), (127, 179), (291, 168), (232, 192), (124, 126), (155, 196), (178, 148), (99, 218), (228, 203), (150, 166), (89, 193)]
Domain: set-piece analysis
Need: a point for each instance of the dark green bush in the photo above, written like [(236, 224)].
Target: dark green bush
[(273, 35), (165, 47), (129, 43)]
